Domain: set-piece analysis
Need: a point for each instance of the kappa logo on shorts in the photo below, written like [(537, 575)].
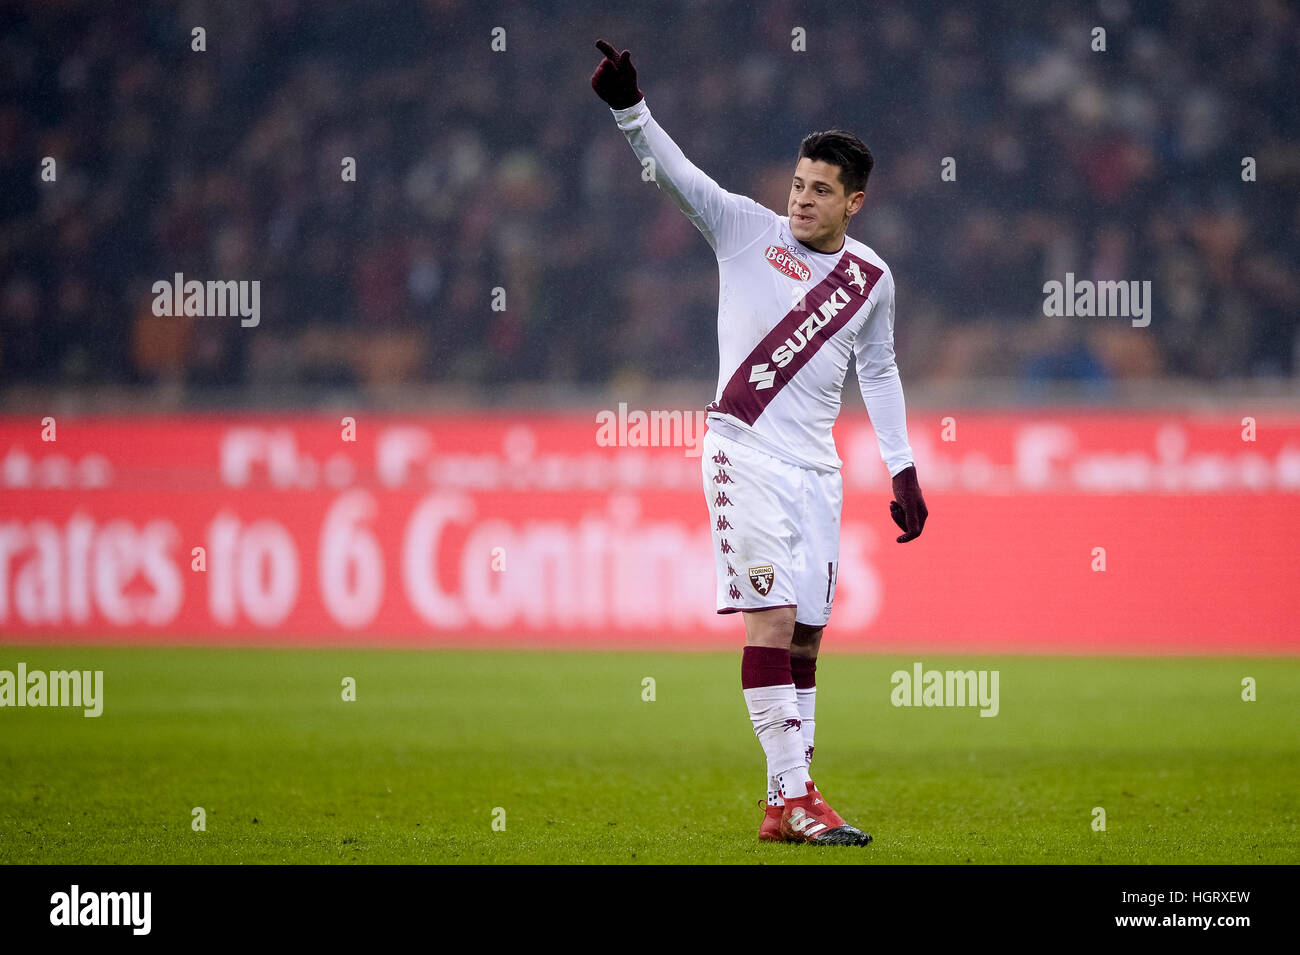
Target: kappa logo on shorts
[(761, 578)]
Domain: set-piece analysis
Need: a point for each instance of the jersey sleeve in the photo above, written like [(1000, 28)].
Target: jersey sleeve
[(729, 222), (882, 388)]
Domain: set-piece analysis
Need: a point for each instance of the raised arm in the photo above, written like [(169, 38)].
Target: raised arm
[(882, 391), (729, 222)]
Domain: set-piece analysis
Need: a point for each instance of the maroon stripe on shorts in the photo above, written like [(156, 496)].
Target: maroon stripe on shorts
[(755, 609), (832, 302), (765, 666)]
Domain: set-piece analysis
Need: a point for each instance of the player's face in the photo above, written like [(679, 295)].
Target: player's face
[(819, 207)]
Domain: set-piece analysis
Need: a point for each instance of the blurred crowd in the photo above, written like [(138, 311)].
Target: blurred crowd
[(498, 229)]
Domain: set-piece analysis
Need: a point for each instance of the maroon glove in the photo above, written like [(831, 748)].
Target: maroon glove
[(908, 507), (615, 78)]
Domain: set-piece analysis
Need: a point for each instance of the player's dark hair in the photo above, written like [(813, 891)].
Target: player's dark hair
[(840, 148)]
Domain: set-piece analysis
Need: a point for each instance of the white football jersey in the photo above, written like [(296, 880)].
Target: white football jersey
[(789, 318)]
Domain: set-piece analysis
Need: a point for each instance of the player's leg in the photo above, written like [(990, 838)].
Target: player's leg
[(765, 678), (806, 640), (810, 818), (804, 646), (770, 628), (816, 573), (753, 501)]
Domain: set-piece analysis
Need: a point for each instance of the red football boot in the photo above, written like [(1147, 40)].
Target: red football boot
[(835, 818), (770, 830), (810, 819)]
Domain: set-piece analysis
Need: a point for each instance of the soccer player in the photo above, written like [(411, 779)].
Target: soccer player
[(797, 298)]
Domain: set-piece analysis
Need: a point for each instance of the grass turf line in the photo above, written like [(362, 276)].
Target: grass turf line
[(586, 771)]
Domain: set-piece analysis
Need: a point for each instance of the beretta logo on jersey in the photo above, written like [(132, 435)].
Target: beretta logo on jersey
[(781, 260), (761, 578)]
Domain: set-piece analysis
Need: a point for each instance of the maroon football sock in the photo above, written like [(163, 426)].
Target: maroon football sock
[(804, 671), (765, 666)]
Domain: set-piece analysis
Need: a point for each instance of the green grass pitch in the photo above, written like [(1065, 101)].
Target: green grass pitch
[(563, 749)]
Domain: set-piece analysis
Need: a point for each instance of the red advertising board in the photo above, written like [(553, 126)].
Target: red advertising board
[(1053, 532)]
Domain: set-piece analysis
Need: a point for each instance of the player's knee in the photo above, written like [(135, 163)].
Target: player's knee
[(771, 628), (806, 637)]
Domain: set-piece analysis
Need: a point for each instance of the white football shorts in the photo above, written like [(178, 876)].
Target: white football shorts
[(776, 530)]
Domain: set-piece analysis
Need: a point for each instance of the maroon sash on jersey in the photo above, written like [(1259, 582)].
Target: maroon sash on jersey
[(832, 302)]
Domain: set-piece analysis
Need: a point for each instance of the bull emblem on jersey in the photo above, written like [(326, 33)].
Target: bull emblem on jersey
[(761, 578), (857, 278)]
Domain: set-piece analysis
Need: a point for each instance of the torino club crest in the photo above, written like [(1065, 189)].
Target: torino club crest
[(761, 578)]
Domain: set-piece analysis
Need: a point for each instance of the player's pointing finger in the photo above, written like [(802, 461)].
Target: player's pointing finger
[(615, 80)]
